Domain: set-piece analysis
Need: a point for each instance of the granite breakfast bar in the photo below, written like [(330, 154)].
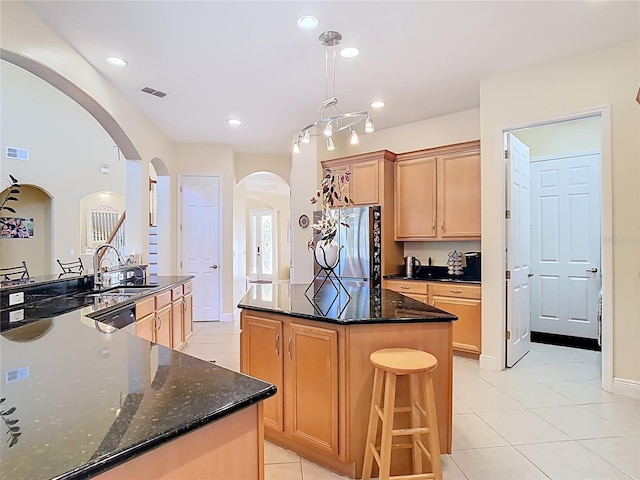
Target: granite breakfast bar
[(314, 345), (83, 399)]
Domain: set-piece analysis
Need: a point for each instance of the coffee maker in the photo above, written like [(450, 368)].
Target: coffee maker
[(411, 266), (471, 266)]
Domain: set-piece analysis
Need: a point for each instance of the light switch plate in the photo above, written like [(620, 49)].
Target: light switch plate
[(16, 298)]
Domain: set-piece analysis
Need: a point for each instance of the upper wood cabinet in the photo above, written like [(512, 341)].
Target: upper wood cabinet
[(437, 193), (372, 184)]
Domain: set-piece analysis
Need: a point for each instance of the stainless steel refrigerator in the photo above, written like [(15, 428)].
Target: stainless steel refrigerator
[(360, 256)]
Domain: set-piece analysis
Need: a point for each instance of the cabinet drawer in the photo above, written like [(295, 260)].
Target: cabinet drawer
[(176, 293), (455, 290), (145, 307), (187, 287), (163, 299), (408, 286)]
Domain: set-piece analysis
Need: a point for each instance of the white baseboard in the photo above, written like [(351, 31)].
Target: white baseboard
[(628, 388), (226, 317), (489, 362)]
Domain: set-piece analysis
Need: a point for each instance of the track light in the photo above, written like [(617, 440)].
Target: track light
[(330, 145)]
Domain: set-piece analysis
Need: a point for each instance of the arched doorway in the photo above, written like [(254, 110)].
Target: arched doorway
[(34, 211), (266, 238)]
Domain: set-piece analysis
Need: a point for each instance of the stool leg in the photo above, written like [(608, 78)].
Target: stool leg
[(387, 425), (414, 396), (434, 438), (376, 397)]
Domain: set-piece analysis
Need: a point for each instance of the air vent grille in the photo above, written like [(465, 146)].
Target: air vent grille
[(17, 153), (153, 91)]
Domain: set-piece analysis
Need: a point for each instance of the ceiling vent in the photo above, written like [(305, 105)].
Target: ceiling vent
[(153, 91), (17, 153)]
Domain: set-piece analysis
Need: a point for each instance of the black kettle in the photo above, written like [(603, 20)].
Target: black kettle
[(411, 266)]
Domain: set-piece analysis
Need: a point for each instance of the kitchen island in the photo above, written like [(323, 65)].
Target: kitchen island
[(81, 399), (314, 345)]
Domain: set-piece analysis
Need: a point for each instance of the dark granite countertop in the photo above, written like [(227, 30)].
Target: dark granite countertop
[(366, 305), (428, 279), (51, 298), (86, 400)]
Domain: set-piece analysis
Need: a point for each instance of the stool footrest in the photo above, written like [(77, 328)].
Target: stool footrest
[(414, 476), (409, 431)]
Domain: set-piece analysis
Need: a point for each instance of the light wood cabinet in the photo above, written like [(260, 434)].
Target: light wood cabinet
[(262, 358), (372, 180), (187, 306), (413, 289), (311, 386), (461, 300), (324, 380), (301, 361), (437, 193), (166, 318), (464, 302)]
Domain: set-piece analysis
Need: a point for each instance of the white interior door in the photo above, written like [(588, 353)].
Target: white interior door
[(262, 232), (565, 236), (201, 243), (518, 250)]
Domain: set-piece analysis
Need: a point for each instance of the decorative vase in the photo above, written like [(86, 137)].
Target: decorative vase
[(327, 254)]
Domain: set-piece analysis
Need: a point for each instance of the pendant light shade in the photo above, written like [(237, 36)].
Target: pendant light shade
[(354, 138), (330, 144)]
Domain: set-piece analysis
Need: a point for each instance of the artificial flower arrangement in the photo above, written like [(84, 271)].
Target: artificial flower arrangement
[(333, 191)]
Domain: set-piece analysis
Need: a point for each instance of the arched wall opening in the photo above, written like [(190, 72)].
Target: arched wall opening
[(34, 212), (261, 193)]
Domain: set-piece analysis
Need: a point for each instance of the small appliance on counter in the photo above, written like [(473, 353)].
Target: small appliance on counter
[(411, 266), (471, 266)]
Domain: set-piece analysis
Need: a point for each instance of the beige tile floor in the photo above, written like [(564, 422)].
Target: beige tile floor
[(546, 418)]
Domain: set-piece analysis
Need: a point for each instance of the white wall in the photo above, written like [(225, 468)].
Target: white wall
[(67, 147), (575, 136), (608, 77)]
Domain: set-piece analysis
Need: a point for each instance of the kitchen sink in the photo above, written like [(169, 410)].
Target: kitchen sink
[(128, 291)]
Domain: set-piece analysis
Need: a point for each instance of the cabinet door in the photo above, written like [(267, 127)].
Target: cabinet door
[(467, 330), (146, 327), (415, 199), (177, 320), (187, 318), (311, 390), (459, 196), (163, 326), (364, 183), (261, 357)]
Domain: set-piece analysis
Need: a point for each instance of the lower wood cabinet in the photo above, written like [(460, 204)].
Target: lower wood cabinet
[(464, 302), (166, 318), (461, 300), (324, 381), (302, 362), (311, 386)]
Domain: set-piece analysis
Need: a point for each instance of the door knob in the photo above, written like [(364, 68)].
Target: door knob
[(592, 270), (213, 266), (530, 274)]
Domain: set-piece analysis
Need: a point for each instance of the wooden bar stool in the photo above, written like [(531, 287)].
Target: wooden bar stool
[(389, 363)]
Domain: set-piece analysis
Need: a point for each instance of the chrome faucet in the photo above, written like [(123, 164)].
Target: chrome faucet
[(97, 281)]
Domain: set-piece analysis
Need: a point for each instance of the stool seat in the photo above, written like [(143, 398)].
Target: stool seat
[(403, 361), (422, 435)]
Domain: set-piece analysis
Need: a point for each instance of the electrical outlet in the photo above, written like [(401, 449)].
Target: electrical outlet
[(16, 298), (130, 274), (16, 315)]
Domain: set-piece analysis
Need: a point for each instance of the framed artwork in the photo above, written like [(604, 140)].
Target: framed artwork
[(13, 227)]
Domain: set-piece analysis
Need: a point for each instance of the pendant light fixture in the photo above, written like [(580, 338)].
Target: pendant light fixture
[(329, 120)]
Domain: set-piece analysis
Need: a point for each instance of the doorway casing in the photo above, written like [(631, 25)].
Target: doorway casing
[(606, 221)]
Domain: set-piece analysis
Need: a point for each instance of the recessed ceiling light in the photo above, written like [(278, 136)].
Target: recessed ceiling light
[(117, 61), (234, 122), (307, 22), (377, 104), (349, 52)]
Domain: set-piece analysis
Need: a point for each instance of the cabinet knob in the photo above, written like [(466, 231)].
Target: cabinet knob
[(455, 290), (278, 344)]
